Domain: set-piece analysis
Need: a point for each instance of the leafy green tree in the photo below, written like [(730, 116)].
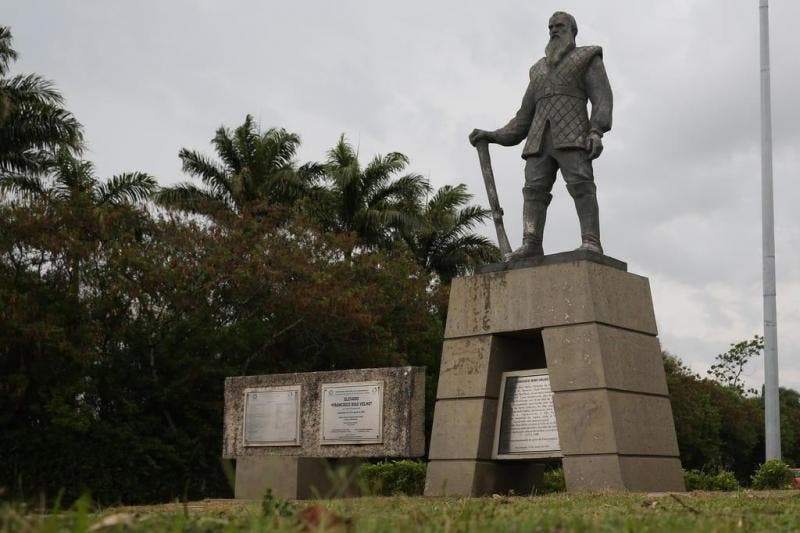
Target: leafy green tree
[(370, 202), (131, 373), (443, 242), (33, 123), (790, 425), (729, 366), (697, 422), (717, 427), (253, 167)]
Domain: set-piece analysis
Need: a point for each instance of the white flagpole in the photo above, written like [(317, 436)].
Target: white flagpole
[(772, 420)]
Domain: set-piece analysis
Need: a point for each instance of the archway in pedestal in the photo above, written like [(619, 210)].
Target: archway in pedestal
[(525, 440)]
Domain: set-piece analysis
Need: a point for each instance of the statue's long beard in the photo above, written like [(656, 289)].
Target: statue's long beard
[(558, 47)]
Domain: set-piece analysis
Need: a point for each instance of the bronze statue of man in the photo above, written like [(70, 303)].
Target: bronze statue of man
[(560, 133)]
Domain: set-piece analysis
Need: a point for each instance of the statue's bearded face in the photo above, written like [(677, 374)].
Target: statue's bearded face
[(562, 39)]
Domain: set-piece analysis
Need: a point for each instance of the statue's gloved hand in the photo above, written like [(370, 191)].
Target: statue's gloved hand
[(594, 144), (480, 135)]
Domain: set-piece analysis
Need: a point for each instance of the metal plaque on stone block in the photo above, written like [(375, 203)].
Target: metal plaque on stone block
[(526, 420), (352, 413), (272, 416)]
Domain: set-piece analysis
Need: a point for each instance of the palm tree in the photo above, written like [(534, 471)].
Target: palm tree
[(253, 167), (369, 202), (443, 243), (72, 180), (33, 125)]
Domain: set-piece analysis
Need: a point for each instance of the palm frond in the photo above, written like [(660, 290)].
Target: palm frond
[(448, 198), (190, 198), (389, 164), (470, 216), (280, 147), (72, 176), (226, 150), (246, 138), (473, 245), (22, 185), (457, 230), (342, 154), (40, 127), (283, 187), (7, 52), (209, 171), (461, 256), (380, 170), (129, 187), (385, 219), (408, 190), (25, 161), (31, 89), (311, 173)]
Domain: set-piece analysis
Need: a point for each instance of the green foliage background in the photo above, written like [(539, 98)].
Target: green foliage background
[(720, 427), (117, 389)]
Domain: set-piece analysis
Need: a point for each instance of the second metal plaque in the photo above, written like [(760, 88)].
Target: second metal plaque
[(352, 413), (271, 416), (526, 420)]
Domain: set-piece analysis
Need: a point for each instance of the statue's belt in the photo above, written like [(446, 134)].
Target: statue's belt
[(547, 92)]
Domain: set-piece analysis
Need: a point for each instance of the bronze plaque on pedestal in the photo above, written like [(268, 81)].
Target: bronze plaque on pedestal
[(526, 420)]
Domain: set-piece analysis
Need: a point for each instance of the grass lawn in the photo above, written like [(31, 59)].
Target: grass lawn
[(698, 511)]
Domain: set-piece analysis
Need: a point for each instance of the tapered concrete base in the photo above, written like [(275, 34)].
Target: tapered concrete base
[(469, 478), (591, 324), (613, 472), (294, 478)]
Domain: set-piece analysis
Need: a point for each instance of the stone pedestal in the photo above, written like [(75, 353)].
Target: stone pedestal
[(591, 324), (295, 478)]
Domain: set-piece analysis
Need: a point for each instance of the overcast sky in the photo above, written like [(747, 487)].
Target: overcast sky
[(678, 183)]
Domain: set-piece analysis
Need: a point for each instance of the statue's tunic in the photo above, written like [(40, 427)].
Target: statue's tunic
[(557, 95)]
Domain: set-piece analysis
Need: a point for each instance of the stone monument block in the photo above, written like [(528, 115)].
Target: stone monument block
[(549, 295), (457, 478), (606, 421), (287, 431), (618, 472), (468, 434), (581, 321), (595, 355)]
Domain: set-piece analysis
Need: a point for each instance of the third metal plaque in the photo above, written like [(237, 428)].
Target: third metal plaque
[(526, 422)]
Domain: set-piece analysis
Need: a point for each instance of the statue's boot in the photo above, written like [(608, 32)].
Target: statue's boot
[(589, 217), (534, 214)]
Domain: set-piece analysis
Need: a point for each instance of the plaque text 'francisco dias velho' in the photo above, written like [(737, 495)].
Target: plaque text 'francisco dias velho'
[(352, 413)]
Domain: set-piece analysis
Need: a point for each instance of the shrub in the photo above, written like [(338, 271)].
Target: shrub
[(774, 474), (272, 505), (389, 478), (723, 480), (552, 481)]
